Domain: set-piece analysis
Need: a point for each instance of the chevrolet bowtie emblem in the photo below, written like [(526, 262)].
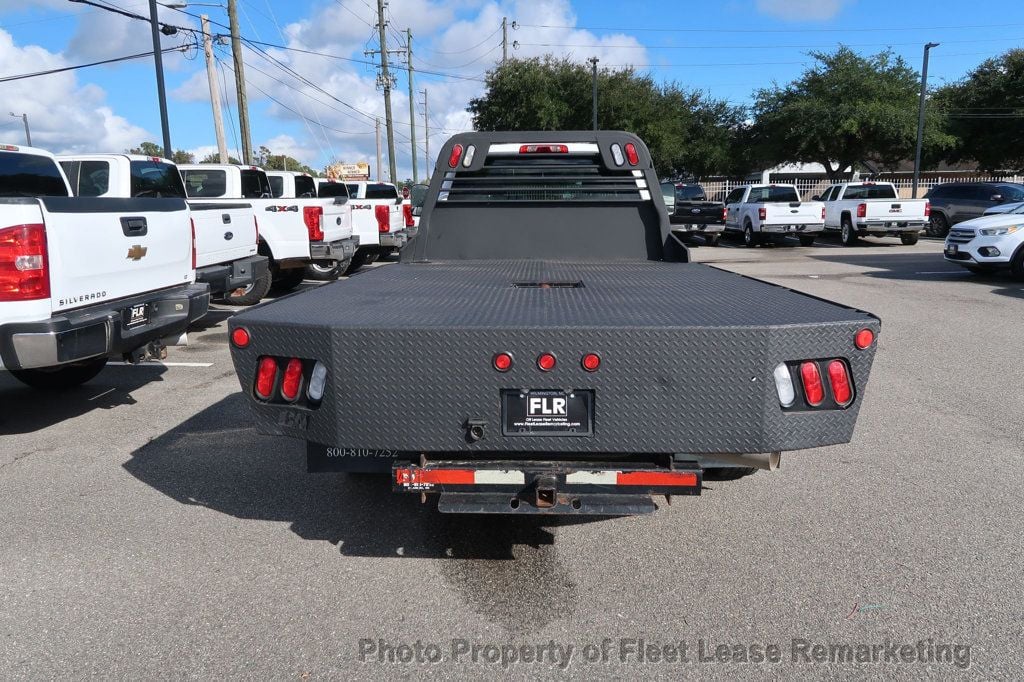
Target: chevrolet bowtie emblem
[(137, 252)]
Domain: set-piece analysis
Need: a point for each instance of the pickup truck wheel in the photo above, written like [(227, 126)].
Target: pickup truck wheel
[(806, 239), (712, 239), (372, 256), (847, 234), (287, 280), (727, 473), (749, 238), (326, 271), (250, 295), (64, 376), (908, 238), (938, 225)]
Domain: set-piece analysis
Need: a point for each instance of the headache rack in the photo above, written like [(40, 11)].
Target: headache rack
[(540, 177)]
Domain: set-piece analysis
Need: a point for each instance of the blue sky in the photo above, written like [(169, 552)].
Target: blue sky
[(727, 48)]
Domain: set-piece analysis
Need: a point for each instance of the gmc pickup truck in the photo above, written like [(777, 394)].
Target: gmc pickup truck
[(293, 232), (873, 208), (226, 233), (86, 279), (761, 212), (548, 348)]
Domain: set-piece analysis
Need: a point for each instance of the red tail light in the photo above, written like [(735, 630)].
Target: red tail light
[(240, 337), (24, 265), (822, 212), (927, 209), (839, 380), (383, 218), (725, 214), (453, 158), (193, 243), (266, 376), (312, 216), (546, 362), (591, 362), (631, 154), (292, 380), (864, 338), (762, 213), (502, 362), (813, 389), (862, 210), (407, 211), (544, 149)]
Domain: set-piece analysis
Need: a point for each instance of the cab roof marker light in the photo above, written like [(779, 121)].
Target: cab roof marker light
[(317, 382), (467, 158), (617, 155), (784, 385)]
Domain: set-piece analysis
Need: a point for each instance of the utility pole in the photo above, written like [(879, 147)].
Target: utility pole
[(504, 40), (158, 60), (24, 119), (211, 76), (384, 80), (426, 136), (412, 103), (920, 119), (378, 149), (243, 101), (593, 63)]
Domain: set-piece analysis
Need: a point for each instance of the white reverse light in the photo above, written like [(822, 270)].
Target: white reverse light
[(317, 382), (784, 385)]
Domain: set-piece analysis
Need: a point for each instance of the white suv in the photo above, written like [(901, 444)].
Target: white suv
[(988, 243)]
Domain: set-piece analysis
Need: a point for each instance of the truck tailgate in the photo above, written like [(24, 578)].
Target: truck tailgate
[(796, 213), (104, 249), (687, 354), (699, 212), (895, 209), (337, 220), (224, 232)]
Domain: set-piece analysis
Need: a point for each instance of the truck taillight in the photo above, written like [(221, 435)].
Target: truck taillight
[(292, 380), (814, 391), (631, 154), (822, 212), (927, 209), (725, 213), (839, 380), (383, 218), (312, 215), (762, 213), (193, 222), (407, 211), (24, 266), (266, 377), (862, 210), (453, 158)]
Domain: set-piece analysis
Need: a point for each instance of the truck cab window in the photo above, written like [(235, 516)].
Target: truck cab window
[(255, 184), (149, 179), (304, 186), (205, 183), (28, 175)]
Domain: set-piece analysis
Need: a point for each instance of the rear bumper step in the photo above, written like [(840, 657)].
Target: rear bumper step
[(541, 487), (233, 275)]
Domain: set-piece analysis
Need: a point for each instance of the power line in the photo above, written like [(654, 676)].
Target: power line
[(5, 79), (755, 47), (462, 66), (468, 49), (717, 30)]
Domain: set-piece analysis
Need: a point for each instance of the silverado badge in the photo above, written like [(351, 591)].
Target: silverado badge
[(137, 252)]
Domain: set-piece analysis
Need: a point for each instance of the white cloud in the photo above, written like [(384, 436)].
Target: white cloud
[(802, 10)]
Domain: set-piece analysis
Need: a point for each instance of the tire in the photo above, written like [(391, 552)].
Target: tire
[(847, 235), (938, 225), (62, 377), (371, 257), (250, 295), (712, 239), (728, 473), (387, 253), (287, 280), (750, 239), (1017, 264), (358, 261), (909, 238), (806, 239), (326, 271)]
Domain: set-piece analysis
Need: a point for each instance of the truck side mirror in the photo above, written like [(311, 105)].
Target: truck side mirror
[(998, 198), (816, 197)]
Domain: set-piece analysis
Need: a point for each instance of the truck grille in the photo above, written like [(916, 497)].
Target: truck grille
[(960, 236)]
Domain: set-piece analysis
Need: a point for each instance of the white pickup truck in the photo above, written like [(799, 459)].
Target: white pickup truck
[(291, 185), (293, 232), (873, 208), (85, 279), (761, 212), (377, 217), (226, 233)]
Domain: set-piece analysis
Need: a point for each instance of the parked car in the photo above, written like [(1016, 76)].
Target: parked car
[(873, 208), (989, 243), (762, 212), (83, 279), (377, 216), (226, 233), (554, 355), (955, 202), (692, 213), (291, 185), (293, 232)]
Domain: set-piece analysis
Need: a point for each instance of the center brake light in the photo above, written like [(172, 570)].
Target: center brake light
[(383, 218), (312, 216), (544, 149), (24, 265)]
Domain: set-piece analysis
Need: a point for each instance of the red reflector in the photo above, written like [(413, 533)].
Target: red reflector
[(631, 154), (383, 218), (407, 211), (544, 149), (839, 379), (312, 215), (813, 390), (240, 337), (864, 338), (435, 476), (546, 362), (591, 361), (862, 210), (24, 265), (685, 478), (266, 375), (453, 158), (292, 379), (502, 362)]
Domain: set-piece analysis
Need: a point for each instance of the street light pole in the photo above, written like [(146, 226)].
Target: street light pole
[(160, 92), (24, 119), (920, 118)]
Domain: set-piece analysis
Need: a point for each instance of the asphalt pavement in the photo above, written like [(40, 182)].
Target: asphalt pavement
[(148, 531)]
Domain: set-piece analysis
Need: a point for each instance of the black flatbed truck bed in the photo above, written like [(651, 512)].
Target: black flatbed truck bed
[(687, 355)]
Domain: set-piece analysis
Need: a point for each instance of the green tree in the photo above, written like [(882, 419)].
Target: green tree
[(154, 149), (686, 131), (182, 156), (215, 158), (267, 160), (985, 112), (845, 109)]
